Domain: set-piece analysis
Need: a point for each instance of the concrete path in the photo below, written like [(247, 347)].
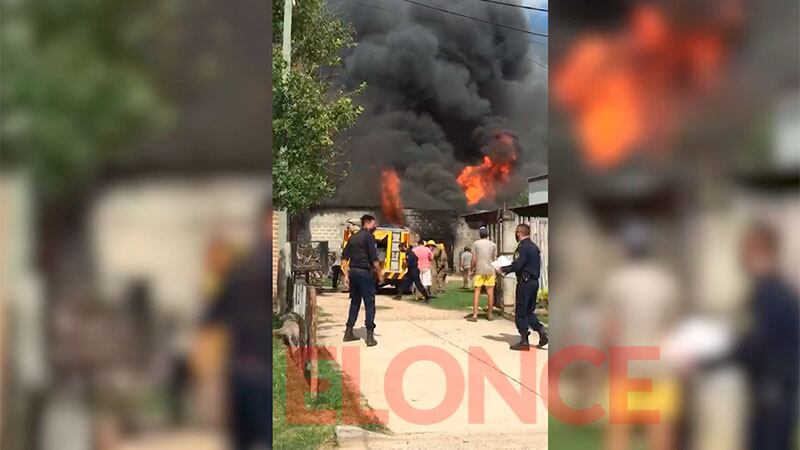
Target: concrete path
[(421, 331)]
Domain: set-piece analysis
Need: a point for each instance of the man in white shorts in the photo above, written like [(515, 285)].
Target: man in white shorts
[(425, 257)]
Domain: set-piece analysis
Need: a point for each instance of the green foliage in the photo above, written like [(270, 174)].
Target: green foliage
[(307, 114), (71, 94), (317, 35), (287, 435), (290, 436), (543, 298), (304, 125), (522, 198)]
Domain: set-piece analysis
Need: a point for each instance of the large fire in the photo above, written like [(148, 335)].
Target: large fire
[(480, 181), (627, 90), (391, 204)]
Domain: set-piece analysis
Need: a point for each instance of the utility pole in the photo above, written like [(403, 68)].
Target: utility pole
[(310, 314), (287, 32), (283, 219)]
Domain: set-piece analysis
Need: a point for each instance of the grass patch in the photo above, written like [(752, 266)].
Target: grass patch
[(587, 437), (572, 437), (304, 433), (285, 435), (458, 299)]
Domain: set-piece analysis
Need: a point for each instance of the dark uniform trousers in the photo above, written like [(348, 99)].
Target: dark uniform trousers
[(524, 316), (336, 272), (249, 397), (362, 287), (411, 279), (526, 265)]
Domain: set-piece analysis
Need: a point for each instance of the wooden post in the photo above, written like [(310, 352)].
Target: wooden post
[(311, 320)]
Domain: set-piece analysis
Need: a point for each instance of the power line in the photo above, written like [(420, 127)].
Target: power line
[(537, 63), (532, 8), (394, 11), (475, 18)]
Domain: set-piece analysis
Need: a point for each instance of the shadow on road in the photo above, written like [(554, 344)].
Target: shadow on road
[(481, 313), (504, 337)]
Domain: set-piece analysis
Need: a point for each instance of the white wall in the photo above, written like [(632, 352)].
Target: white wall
[(16, 228), (537, 192), (158, 229)]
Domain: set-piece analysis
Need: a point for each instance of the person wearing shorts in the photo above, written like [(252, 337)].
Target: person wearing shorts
[(484, 252), (424, 261)]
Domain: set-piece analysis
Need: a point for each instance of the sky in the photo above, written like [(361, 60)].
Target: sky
[(538, 21)]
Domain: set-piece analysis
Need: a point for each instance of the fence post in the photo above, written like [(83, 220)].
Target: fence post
[(311, 317)]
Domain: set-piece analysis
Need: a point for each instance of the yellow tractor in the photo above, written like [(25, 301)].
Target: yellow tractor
[(393, 260)]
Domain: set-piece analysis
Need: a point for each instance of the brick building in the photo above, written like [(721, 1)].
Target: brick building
[(328, 223)]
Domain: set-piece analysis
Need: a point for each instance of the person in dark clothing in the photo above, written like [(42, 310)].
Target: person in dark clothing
[(180, 377), (770, 352), (526, 267), (242, 308), (362, 253), (412, 275), (336, 271)]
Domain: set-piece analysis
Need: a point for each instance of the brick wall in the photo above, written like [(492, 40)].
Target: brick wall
[(466, 234), (327, 224)]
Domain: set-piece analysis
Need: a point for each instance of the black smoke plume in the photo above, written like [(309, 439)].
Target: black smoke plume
[(441, 89)]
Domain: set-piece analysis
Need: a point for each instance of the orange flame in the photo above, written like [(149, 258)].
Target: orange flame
[(480, 181), (628, 90), (391, 205)]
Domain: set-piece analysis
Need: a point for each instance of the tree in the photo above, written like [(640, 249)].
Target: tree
[(72, 94), (307, 113), (523, 198)]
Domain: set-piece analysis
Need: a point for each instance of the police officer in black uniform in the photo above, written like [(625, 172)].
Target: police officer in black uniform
[(526, 267), (362, 252)]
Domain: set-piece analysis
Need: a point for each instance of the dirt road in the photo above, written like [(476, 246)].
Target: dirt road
[(472, 352)]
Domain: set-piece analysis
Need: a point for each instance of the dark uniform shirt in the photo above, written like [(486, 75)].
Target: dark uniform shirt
[(361, 250), (771, 349), (527, 261), (243, 309), (412, 261)]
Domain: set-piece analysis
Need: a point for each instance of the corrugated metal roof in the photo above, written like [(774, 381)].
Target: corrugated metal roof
[(543, 176)]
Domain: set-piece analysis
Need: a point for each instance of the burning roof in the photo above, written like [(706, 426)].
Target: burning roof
[(627, 90), (456, 113)]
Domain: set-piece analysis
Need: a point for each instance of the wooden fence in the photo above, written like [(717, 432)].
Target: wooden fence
[(539, 236), (304, 303)]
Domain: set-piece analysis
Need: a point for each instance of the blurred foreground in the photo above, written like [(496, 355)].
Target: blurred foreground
[(134, 177), (675, 168)]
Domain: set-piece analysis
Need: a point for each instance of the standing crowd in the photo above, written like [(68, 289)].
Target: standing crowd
[(427, 267)]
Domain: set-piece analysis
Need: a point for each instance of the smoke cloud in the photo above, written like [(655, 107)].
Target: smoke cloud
[(442, 92)]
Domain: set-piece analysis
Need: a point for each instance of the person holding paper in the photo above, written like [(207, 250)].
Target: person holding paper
[(769, 352), (526, 267)]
